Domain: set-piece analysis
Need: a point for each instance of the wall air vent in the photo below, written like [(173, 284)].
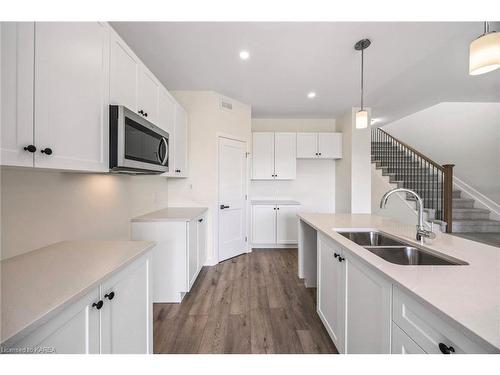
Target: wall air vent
[(225, 104)]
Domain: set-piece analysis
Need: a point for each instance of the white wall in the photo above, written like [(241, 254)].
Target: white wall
[(353, 181), (43, 207), (207, 121), (314, 186), (464, 134)]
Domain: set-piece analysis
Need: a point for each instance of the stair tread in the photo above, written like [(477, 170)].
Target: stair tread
[(476, 221), (471, 210)]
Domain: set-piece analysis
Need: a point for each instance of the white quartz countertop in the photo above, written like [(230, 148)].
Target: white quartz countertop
[(39, 284), (172, 214), (468, 294), (283, 202)]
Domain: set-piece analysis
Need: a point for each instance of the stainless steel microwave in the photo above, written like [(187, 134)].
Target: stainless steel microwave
[(136, 146)]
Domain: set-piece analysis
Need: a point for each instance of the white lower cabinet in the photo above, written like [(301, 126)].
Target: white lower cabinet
[(354, 302), (274, 224), (402, 343), (178, 256), (114, 317)]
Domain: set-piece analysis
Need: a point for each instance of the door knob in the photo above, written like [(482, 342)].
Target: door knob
[(46, 151), (110, 296), (98, 305), (30, 148), (223, 206)]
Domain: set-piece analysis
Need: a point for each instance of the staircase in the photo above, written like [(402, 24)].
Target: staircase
[(410, 169)]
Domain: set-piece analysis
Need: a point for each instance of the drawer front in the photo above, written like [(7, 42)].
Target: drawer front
[(427, 329), (402, 343)]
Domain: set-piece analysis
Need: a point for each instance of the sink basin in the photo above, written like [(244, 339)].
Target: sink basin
[(411, 256), (371, 238), (398, 251)]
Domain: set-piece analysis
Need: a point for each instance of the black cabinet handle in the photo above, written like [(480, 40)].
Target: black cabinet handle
[(110, 296), (141, 112), (335, 255), (320, 153), (98, 305), (145, 114), (446, 349), (341, 259), (30, 148), (177, 171), (223, 206), (200, 220), (46, 151), (316, 154)]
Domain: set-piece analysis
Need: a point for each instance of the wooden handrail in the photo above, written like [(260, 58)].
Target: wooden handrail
[(418, 153)]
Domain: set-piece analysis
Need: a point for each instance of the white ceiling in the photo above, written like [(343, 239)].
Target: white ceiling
[(409, 66)]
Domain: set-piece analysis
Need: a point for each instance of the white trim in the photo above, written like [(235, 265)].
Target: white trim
[(480, 199), (216, 258), (275, 246)]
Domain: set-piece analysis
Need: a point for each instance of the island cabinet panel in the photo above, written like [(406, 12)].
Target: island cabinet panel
[(402, 343), (368, 309), (331, 291)]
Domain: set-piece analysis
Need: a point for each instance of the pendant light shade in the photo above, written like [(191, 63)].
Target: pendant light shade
[(484, 52), (362, 114), (362, 119)]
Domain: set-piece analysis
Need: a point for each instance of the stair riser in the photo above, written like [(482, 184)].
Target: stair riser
[(471, 215), (457, 228), (463, 204)]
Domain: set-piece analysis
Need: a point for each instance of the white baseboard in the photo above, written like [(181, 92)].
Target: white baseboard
[(211, 262), (275, 246), (481, 200)]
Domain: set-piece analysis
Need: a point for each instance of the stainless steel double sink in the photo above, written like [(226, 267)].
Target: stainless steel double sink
[(397, 251)]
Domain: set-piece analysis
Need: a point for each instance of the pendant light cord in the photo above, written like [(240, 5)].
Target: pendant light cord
[(362, 58)]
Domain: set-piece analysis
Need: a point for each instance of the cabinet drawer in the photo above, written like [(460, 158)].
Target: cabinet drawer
[(427, 329), (402, 343)]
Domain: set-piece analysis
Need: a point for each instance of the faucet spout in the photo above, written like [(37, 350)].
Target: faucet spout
[(421, 231)]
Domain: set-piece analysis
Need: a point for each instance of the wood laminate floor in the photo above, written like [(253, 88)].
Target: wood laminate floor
[(253, 303)]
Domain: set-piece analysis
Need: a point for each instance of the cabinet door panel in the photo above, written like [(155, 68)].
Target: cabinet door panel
[(307, 145), (368, 319), (127, 318), (331, 291), (330, 145), (17, 64), (263, 156), (202, 241), (180, 142), (285, 156), (402, 343), (192, 253), (123, 74), (74, 331), (147, 95), (72, 95), (287, 224), (263, 224)]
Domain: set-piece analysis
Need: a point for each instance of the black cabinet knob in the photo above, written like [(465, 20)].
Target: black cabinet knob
[(141, 112), (335, 255), (316, 154), (223, 206), (145, 114), (110, 296), (319, 153), (446, 349), (177, 171), (200, 220), (46, 151), (341, 259), (98, 305), (30, 148)]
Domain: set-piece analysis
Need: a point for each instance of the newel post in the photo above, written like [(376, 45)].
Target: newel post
[(448, 196)]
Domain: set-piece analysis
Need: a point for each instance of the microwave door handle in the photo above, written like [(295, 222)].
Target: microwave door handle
[(165, 158)]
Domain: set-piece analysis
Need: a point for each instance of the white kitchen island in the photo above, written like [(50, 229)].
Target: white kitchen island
[(369, 305)]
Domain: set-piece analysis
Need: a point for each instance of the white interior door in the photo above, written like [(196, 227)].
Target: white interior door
[(232, 200)]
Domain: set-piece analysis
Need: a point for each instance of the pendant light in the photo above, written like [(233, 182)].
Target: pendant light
[(484, 52), (362, 114)]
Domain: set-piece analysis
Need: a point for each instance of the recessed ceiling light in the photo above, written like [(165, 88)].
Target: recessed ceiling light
[(244, 55), (311, 95)]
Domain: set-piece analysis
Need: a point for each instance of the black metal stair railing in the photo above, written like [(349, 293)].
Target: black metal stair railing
[(411, 169)]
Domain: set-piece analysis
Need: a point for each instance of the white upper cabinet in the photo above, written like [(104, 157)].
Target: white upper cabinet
[(263, 156), (180, 148), (71, 95), (285, 155), (124, 66), (147, 96), (319, 145), (274, 156), (17, 64), (166, 112)]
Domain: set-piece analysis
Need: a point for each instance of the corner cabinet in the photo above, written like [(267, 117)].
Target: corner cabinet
[(319, 145), (354, 302), (274, 156), (115, 317), (178, 256)]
